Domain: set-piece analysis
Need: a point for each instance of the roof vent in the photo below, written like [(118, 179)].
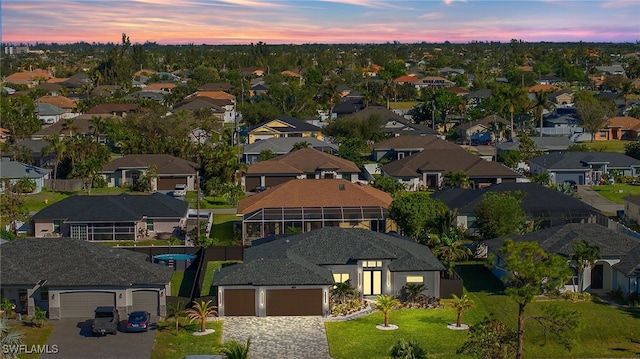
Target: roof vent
[(341, 186)]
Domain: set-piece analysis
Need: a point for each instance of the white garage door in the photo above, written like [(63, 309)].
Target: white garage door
[(83, 304), (146, 300)]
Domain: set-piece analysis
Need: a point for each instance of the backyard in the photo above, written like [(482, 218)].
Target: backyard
[(616, 192), (611, 332)]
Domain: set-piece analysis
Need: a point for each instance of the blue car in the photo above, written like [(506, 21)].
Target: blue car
[(138, 322)]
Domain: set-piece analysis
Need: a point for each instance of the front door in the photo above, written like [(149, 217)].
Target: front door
[(597, 274), (371, 282)]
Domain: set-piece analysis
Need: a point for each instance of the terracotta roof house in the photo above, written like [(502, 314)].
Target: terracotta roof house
[(484, 127), (543, 88), (126, 170), (617, 269), (114, 109), (583, 168), (406, 80), (546, 206), (399, 147), (14, 171), (144, 72), (305, 163), (294, 275), (62, 102), (81, 125), (309, 204), (218, 95), (29, 78), (290, 73), (619, 128), (69, 278), (427, 168), (282, 146), (283, 126), (164, 87), (111, 217)]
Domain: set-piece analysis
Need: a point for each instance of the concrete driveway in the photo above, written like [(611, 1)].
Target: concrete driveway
[(279, 337), (592, 198), (75, 341)]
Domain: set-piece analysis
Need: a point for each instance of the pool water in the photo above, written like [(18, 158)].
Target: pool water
[(174, 257)]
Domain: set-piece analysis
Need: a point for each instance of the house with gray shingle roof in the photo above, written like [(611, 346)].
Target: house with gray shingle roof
[(584, 168), (293, 275), (617, 269), (283, 126), (14, 171), (112, 217), (170, 171), (282, 146), (69, 278)]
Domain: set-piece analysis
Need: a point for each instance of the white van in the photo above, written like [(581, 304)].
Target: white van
[(180, 190)]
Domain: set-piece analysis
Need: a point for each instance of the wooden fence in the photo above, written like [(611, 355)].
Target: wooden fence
[(64, 185)]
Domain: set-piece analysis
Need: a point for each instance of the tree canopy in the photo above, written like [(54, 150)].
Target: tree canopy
[(416, 213), (499, 214)]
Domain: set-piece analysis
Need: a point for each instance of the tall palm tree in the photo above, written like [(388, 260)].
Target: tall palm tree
[(59, 146), (461, 305), (539, 104), (584, 255), (176, 311), (201, 311), (511, 98), (68, 125), (386, 303)]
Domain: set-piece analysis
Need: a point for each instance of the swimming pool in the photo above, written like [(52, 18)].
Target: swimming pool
[(175, 257)]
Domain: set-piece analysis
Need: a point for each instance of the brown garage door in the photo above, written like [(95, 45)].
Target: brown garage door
[(239, 302), (169, 183), (146, 300), (83, 304), (272, 181), (294, 302), (252, 183)]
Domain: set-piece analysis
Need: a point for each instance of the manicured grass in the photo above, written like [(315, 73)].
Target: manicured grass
[(182, 282), (223, 228), (207, 288), (403, 105), (169, 346), (606, 331), (607, 146), (32, 335), (616, 192), (38, 201), (208, 202)]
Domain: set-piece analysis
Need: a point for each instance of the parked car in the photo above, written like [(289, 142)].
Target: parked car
[(138, 321), (180, 190), (105, 321)]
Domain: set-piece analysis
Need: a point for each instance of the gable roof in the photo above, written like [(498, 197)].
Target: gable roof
[(290, 125), (282, 145), (414, 142), (299, 259), (304, 160), (47, 109), (14, 169), (113, 108), (215, 95), (82, 124), (114, 208), (560, 239), (59, 101), (581, 160), (485, 121), (623, 122), (316, 193), (25, 77), (165, 164), (216, 86), (30, 260)]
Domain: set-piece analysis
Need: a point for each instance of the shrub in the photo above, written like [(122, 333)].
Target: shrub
[(407, 350), (25, 185)]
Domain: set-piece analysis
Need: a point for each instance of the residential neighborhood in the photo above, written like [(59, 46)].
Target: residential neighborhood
[(353, 198)]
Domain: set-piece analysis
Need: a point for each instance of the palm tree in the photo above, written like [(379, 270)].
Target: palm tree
[(201, 311), (9, 338), (386, 303), (511, 97), (341, 291), (176, 311), (414, 291), (461, 305), (59, 146), (235, 350), (539, 104), (451, 250), (584, 254), (458, 179)]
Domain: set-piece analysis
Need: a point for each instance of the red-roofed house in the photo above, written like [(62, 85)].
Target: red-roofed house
[(619, 128)]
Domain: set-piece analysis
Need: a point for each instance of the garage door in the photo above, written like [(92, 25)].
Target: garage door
[(272, 181), (169, 183), (239, 302), (252, 183), (146, 300), (294, 302), (82, 304)]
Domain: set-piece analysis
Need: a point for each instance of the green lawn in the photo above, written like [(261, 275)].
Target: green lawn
[(169, 346), (208, 202), (208, 276), (38, 201), (182, 282), (32, 335), (403, 105), (223, 228), (607, 146), (616, 192), (607, 331)]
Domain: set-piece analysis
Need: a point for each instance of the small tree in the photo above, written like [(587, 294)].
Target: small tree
[(176, 311), (414, 291), (201, 311), (461, 305), (8, 308), (342, 291), (386, 303), (235, 350), (416, 213), (490, 339), (584, 255), (403, 349), (499, 214), (39, 317)]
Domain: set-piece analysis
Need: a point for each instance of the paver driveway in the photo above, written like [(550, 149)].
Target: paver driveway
[(279, 337), (75, 341)]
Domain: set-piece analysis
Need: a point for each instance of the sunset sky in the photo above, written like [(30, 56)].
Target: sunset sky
[(325, 21)]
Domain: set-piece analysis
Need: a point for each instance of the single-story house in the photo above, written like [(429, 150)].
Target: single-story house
[(584, 168), (79, 125), (547, 207), (293, 275), (544, 144), (283, 126), (394, 124), (305, 205), (15, 171), (399, 147), (488, 125), (283, 145), (619, 128), (170, 170), (304, 163), (617, 269), (69, 278), (111, 217)]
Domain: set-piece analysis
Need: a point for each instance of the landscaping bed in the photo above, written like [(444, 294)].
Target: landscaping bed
[(169, 346)]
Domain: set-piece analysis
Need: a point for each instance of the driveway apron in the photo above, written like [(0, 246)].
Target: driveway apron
[(279, 337)]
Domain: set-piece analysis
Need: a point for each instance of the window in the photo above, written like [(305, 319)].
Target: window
[(149, 224), (372, 264), (56, 225), (340, 277), (415, 279), (44, 293)]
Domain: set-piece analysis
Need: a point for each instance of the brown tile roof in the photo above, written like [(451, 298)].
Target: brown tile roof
[(218, 95), (81, 123), (624, 122), (543, 88), (411, 79), (60, 101), (25, 77), (57, 80), (160, 86), (304, 160), (145, 72), (290, 73), (316, 193), (166, 164)]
